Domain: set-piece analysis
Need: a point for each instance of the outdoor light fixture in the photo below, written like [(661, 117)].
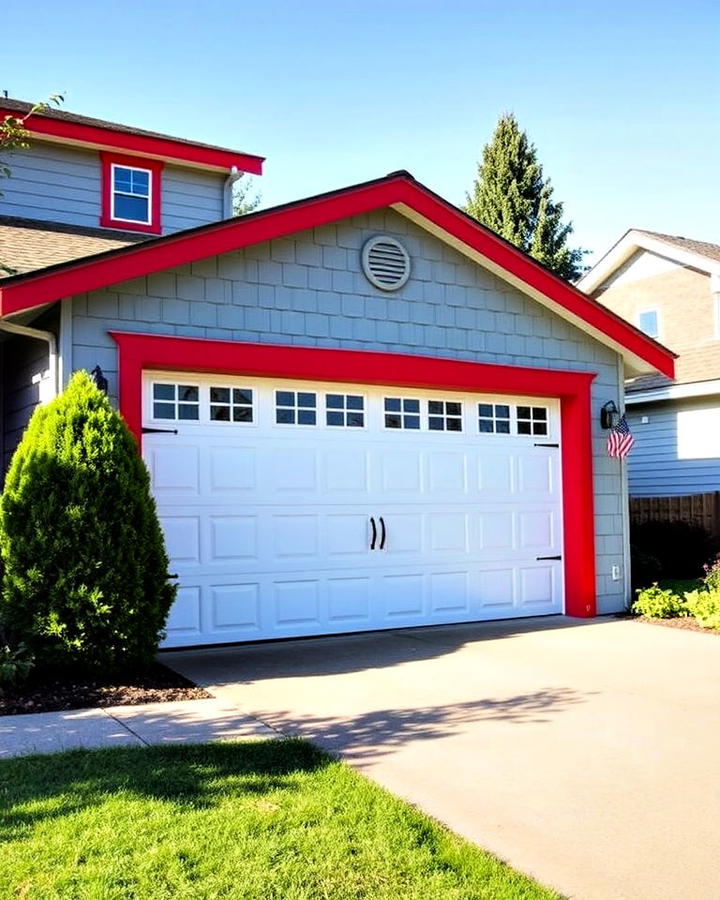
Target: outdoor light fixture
[(609, 415), (99, 379)]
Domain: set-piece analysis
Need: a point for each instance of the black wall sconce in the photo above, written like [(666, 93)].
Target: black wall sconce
[(609, 416), (99, 379)]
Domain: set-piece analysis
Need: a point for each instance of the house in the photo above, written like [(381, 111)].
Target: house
[(669, 287), (360, 410)]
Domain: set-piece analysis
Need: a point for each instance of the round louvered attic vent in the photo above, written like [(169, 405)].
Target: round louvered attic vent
[(386, 263)]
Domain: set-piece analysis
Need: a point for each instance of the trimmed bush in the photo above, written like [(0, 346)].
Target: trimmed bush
[(659, 604), (705, 606), (85, 564)]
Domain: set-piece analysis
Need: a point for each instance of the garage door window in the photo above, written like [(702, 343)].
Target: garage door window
[(295, 408), (345, 410), (402, 412), (444, 415), (176, 401), (231, 404), (532, 420), (493, 418)]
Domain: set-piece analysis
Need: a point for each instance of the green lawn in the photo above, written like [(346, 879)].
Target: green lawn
[(275, 820)]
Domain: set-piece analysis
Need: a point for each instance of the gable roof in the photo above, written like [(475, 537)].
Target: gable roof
[(31, 244), (66, 127), (685, 251), (401, 192)]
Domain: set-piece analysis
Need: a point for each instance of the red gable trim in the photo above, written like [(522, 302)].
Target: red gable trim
[(24, 292), (144, 145), (139, 352)]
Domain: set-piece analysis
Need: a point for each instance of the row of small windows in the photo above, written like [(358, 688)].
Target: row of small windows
[(182, 402)]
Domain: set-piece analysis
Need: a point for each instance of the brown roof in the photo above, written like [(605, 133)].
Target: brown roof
[(29, 244), (22, 107), (701, 363), (702, 248)]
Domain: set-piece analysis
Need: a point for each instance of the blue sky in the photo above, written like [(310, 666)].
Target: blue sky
[(622, 99)]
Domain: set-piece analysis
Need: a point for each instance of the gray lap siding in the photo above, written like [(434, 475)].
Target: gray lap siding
[(309, 290)]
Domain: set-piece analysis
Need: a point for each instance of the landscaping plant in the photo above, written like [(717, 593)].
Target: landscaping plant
[(657, 603), (704, 605), (85, 580)]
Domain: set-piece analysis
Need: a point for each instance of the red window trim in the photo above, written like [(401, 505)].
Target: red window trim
[(155, 167), (141, 352)]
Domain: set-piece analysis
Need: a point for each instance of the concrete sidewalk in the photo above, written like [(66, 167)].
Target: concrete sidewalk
[(185, 722)]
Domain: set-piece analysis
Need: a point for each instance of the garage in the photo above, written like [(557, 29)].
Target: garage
[(295, 507)]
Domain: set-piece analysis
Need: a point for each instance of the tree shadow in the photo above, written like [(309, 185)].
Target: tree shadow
[(369, 736), (341, 654), (40, 788)]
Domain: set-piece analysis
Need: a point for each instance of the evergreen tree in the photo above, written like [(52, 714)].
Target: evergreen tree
[(511, 197), (85, 580)]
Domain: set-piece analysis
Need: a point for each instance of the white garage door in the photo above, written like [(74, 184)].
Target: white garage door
[(303, 508)]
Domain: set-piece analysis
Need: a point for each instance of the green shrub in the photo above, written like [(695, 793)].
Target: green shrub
[(659, 604), (712, 574), (704, 605), (15, 665), (85, 564)]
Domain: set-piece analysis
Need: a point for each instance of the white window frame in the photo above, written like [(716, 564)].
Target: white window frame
[(116, 218), (494, 419), (345, 410), (318, 409), (402, 413), (231, 405), (176, 384), (643, 312)]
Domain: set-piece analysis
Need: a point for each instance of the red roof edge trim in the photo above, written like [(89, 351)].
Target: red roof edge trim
[(536, 276), (143, 145), (81, 276)]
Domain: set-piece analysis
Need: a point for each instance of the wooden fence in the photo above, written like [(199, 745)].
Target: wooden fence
[(700, 509)]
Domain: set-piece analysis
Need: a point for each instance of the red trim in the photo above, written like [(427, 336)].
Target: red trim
[(25, 292), (155, 167), (142, 144), (138, 352)]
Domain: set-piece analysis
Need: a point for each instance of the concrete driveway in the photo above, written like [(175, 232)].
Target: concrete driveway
[(586, 754)]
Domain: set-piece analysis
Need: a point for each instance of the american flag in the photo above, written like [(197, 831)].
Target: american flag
[(620, 441)]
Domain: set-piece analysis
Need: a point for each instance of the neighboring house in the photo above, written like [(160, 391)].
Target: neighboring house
[(360, 410), (669, 287)]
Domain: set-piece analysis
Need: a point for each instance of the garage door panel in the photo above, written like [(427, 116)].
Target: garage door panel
[(349, 602), (235, 608), (496, 592), (232, 469), (175, 469), (233, 538), (269, 526), (447, 473), (347, 535), (297, 604), (295, 536), (449, 594), (185, 619), (182, 538)]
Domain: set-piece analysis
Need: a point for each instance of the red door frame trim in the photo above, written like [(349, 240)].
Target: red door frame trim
[(138, 352)]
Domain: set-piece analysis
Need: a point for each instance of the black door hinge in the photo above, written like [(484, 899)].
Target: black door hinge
[(548, 557), (546, 445), (159, 431)]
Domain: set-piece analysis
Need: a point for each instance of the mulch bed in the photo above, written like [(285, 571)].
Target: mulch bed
[(157, 684), (685, 622)]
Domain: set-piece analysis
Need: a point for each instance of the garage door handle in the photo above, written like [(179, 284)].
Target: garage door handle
[(548, 557), (374, 533), (382, 539)]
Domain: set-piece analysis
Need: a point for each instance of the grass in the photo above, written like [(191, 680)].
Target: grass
[(275, 820)]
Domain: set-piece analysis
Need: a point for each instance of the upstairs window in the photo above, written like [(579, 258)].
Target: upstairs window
[(131, 193), (648, 322)]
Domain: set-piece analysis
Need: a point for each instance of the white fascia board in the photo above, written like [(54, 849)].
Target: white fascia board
[(634, 365), (620, 252), (674, 392)]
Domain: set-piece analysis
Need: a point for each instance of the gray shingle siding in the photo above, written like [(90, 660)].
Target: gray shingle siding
[(654, 467), (450, 307), (59, 184)]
